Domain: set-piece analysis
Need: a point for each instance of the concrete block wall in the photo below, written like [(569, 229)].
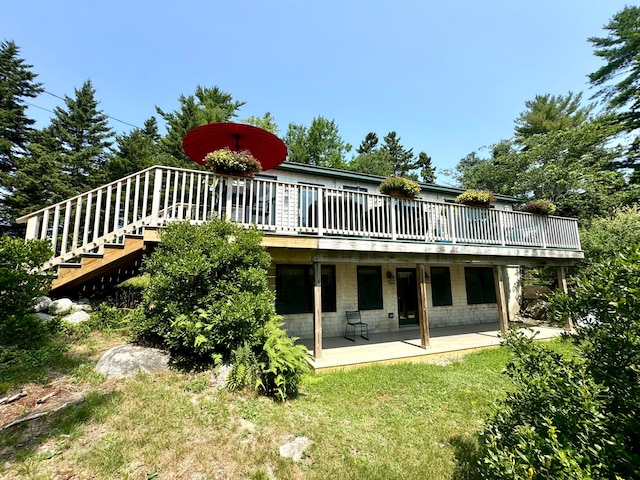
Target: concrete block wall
[(333, 323)]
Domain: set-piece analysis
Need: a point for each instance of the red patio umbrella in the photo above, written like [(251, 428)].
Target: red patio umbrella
[(268, 149)]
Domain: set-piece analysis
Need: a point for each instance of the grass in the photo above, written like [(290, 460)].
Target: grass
[(403, 421)]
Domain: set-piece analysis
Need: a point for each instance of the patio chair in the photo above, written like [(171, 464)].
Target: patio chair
[(353, 321)]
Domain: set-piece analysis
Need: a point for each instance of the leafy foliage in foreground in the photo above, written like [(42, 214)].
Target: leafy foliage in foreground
[(551, 425), (18, 284), (576, 418)]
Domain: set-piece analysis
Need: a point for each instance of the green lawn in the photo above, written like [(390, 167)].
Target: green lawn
[(399, 421)]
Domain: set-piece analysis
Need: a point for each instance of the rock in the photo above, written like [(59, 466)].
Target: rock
[(535, 292), (44, 317), (295, 449), (126, 360), (77, 317), (536, 309), (60, 307), (220, 375), (41, 304), (81, 307)]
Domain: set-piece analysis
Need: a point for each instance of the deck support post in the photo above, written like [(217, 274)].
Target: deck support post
[(317, 310), (562, 285), (499, 275), (423, 313)]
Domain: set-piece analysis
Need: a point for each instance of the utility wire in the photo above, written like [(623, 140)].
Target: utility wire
[(62, 98)]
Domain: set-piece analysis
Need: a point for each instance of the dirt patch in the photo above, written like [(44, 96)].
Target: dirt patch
[(40, 400)]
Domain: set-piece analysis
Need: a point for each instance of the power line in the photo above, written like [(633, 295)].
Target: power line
[(62, 98)]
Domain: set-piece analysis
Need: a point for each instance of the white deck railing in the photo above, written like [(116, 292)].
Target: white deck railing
[(159, 195)]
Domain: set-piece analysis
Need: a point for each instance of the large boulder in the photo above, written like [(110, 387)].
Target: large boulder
[(536, 309), (44, 317), (535, 292), (61, 306), (76, 317), (41, 304), (126, 360)]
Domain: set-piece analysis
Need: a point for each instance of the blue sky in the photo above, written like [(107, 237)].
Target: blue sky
[(448, 78)]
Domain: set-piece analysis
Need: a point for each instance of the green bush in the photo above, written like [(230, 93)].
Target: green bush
[(602, 237), (18, 283), (208, 291), (551, 425), (605, 304)]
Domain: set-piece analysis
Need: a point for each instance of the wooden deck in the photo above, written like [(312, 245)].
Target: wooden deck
[(404, 345)]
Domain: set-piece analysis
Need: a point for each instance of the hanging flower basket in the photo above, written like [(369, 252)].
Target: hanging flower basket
[(400, 187), (476, 198), (232, 163), (539, 207)]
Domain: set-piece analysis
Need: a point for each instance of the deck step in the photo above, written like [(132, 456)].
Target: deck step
[(114, 245), (91, 255), (70, 265)]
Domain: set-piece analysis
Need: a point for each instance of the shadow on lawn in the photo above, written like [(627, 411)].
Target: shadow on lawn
[(467, 454)]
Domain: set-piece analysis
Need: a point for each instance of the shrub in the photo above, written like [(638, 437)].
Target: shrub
[(19, 284), (226, 161), (476, 198), (208, 291), (404, 186), (551, 425), (539, 207), (602, 237), (605, 304)]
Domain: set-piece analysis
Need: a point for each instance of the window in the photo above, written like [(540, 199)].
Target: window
[(441, 286), (369, 288), (294, 288), (480, 285)]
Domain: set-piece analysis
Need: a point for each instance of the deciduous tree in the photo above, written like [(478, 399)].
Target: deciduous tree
[(319, 144)]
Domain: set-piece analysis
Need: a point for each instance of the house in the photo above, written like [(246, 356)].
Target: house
[(336, 243)]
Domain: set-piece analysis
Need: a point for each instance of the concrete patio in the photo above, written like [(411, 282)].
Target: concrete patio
[(404, 345)]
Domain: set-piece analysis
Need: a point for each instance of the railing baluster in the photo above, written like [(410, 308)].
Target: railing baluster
[(76, 224)]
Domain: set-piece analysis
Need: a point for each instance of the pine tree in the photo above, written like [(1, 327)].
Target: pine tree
[(369, 144), (619, 79), (427, 170), (207, 105), (17, 83), (83, 137), (402, 159), (136, 151)]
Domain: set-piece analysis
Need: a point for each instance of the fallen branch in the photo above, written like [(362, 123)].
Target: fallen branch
[(25, 419), (46, 397), (18, 396)]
